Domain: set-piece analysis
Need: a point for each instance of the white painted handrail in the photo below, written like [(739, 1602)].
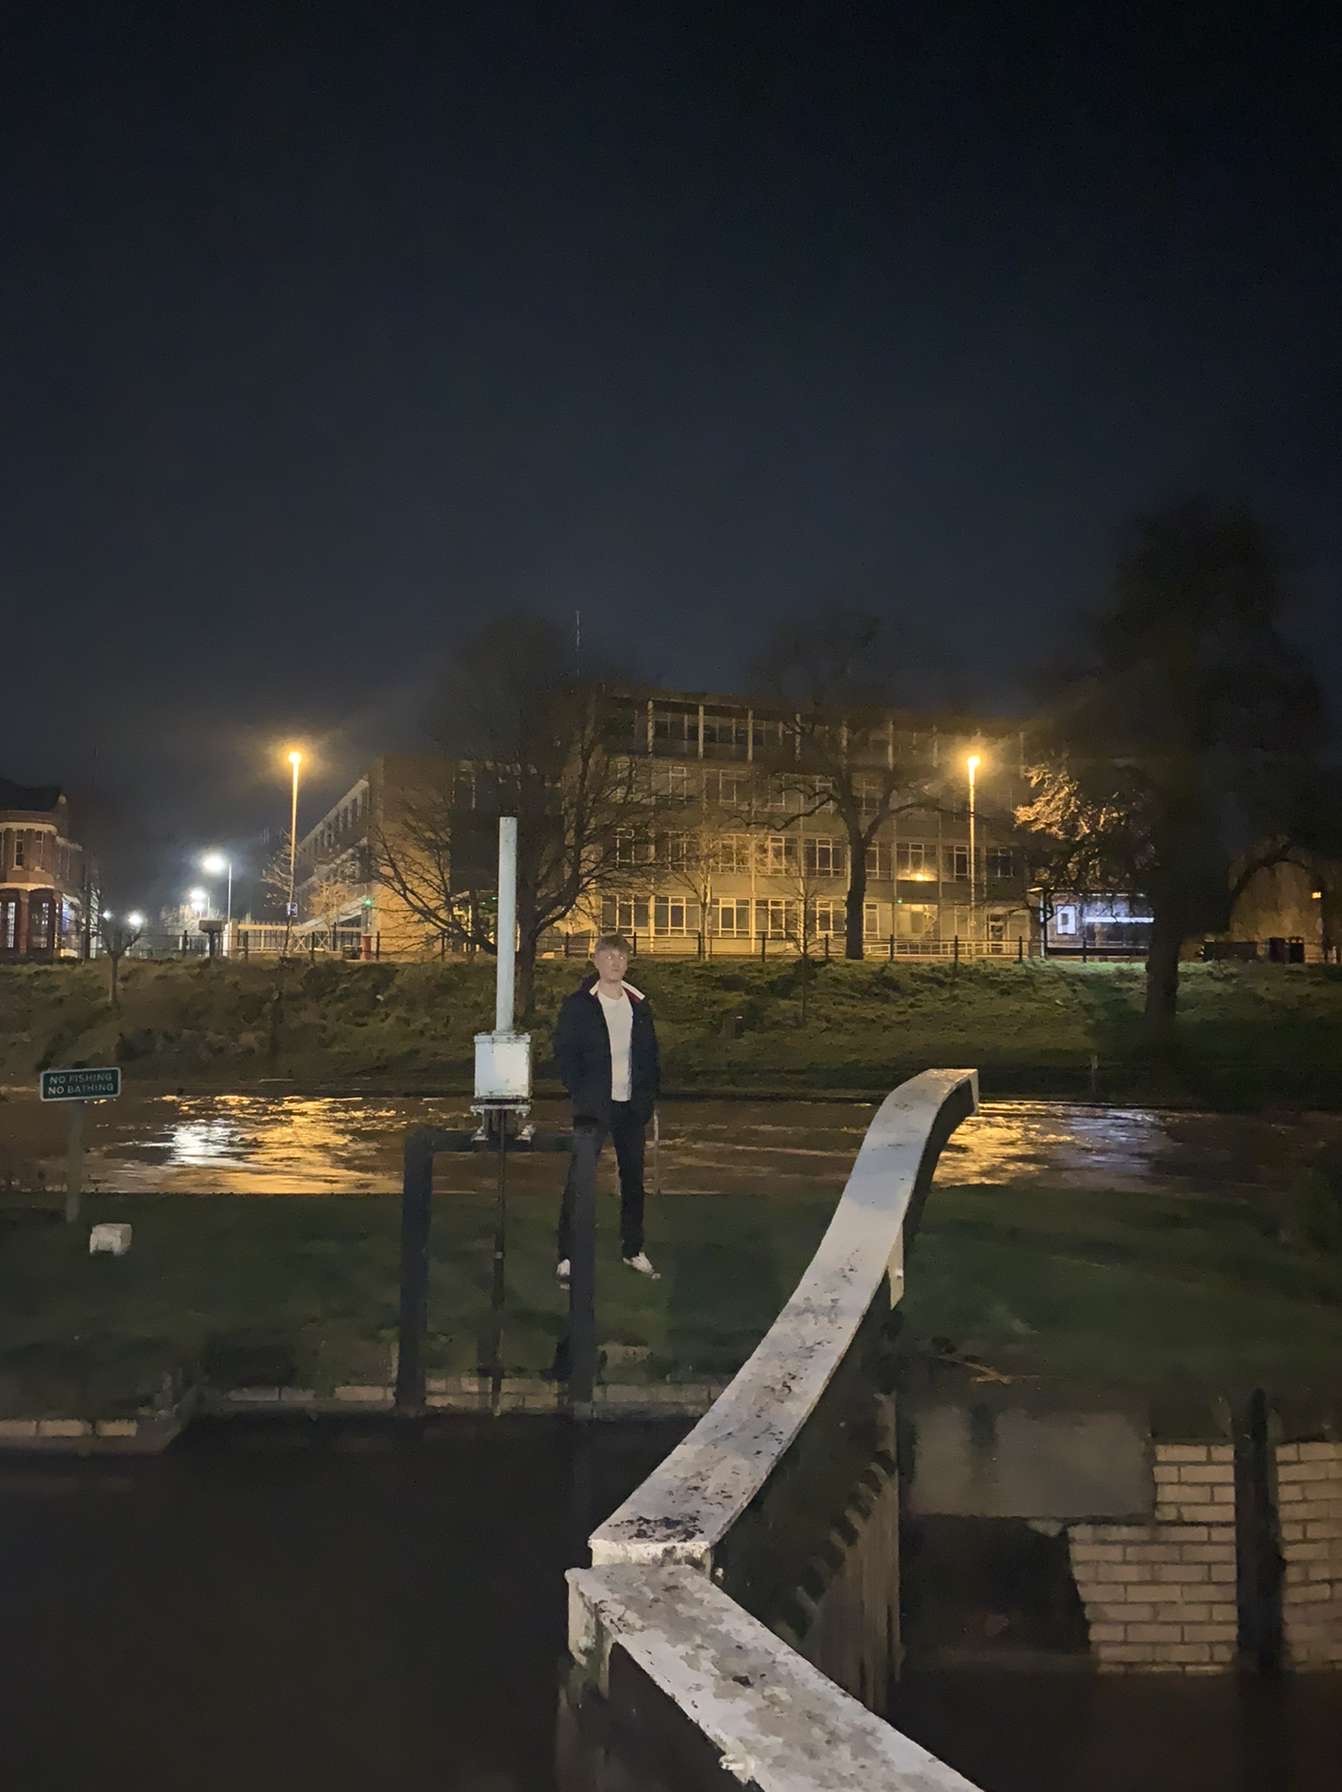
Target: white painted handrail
[(685, 1508)]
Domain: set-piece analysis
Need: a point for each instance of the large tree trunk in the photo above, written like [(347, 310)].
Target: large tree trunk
[(855, 904), (1162, 974)]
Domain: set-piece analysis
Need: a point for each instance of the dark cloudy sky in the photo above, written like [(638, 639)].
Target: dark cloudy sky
[(328, 329)]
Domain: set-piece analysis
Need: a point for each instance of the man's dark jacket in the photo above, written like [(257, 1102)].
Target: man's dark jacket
[(582, 1054)]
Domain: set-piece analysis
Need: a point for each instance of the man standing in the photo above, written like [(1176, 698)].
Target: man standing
[(606, 1050)]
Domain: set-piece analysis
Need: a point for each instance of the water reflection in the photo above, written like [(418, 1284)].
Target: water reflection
[(278, 1144)]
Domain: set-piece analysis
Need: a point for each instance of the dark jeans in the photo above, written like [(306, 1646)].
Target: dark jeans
[(626, 1132)]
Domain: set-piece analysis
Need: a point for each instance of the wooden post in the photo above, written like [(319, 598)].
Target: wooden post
[(416, 1205), (74, 1161), (582, 1275)]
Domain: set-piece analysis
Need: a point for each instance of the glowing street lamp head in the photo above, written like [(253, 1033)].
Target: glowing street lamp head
[(295, 758), (973, 762), (214, 863), (107, 914), (135, 918)]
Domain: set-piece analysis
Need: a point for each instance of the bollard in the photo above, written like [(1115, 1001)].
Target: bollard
[(416, 1205), (582, 1275)]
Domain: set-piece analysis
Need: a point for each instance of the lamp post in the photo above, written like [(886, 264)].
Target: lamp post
[(295, 760), (218, 864), (972, 764)]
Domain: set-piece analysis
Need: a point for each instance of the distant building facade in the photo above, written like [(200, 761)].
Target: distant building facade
[(41, 875)]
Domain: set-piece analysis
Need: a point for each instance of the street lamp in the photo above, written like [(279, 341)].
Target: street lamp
[(218, 864), (295, 760), (200, 902), (135, 920), (972, 765)]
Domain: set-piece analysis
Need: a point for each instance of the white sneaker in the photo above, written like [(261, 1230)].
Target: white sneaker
[(562, 1271), (643, 1266)]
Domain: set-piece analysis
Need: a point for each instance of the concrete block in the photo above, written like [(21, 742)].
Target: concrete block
[(297, 1396), (1154, 1552), (1165, 1473), (1305, 1472), (1288, 1453), (1183, 1652), (1179, 1573), (1097, 1552), (1153, 1594), (1309, 1552), (363, 1394), (1210, 1633), (1198, 1472), (1106, 1572), (1121, 1652), (1108, 1633), (18, 1428), (1209, 1552), (1221, 1453), (64, 1428), (1120, 1614), (116, 1427), (1225, 1613), (1329, 1529), (1224, 1495), (1200, 1514), (1181, 1452), (1155, 1633), (1320, 1452), (1288, 1492), (110, 1240)]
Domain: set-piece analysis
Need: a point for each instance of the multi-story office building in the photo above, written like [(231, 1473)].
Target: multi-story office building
[(749, 847), (41, 874)]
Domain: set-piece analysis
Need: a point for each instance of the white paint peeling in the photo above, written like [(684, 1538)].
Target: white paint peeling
[(776, 1721)]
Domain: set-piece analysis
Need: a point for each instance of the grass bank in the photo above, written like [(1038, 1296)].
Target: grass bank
[(1138, 1292), (1248, 1035)]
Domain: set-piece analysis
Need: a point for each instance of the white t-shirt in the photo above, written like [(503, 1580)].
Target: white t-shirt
[(619, 1013)]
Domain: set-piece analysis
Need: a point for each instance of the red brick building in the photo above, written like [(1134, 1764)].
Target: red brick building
[(41, 874)]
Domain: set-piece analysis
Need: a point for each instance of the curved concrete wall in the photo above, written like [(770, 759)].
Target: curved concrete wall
[(648, 1603)]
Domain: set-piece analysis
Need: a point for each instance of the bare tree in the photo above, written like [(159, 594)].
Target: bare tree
[(834, 751), (519, 735), (116, 936)]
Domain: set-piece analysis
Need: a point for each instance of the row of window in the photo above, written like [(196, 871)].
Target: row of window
[(816, 855), (781, 918), (677, 726), (347, 816)]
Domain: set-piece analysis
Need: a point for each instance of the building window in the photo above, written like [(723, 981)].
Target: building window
[(677, 729), (915, 857), (871, 919), (734, 918), (674, 914), (878, 858), (731, 852), (822, 856), (1064, 919), (9, 923), (869, 792), (730, 790), (956, 861), (673, 851), (915, 920), (39, 923), (725, 732), (770, 737), (778, 853), (776, 916), (776, 793), (18, 851), (1001, 862), (624, 914), (671, 782), (829, 915)]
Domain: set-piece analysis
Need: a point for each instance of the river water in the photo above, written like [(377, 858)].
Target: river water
[(290, 1144)]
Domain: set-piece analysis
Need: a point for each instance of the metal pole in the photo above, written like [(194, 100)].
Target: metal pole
[(416, 1205), (582, 1274), (500, 1121), (294, 760), (507, 928), (74, 1162), (973, 768)]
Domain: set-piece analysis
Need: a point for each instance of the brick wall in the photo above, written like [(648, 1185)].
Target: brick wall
[(1160, 1597), (1309, 1506)]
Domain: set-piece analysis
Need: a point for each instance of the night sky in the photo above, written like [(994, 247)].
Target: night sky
[(329, 329)]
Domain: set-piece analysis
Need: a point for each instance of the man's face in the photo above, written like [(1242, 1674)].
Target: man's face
[(611, 963)]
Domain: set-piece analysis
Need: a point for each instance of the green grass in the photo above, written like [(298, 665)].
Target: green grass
[(1248, 1034), (1127, 1291)]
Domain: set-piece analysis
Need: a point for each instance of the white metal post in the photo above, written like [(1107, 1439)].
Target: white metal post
[(507, 927)]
